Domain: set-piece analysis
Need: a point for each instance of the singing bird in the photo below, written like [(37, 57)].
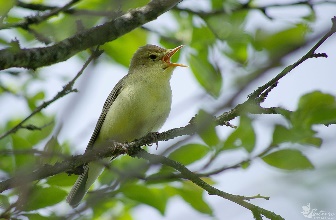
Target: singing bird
[(138, 104)]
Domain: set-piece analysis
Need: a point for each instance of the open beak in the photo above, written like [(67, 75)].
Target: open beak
[(169, 54)]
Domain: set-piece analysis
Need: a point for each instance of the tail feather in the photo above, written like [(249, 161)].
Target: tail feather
[(91, 172), (79, 189)]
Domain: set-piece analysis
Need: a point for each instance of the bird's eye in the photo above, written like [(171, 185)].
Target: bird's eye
[(152, 56)]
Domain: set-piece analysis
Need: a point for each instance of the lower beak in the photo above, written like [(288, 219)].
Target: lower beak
[(169, 54)]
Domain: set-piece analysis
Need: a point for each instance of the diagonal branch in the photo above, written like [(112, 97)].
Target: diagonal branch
[(240, 200), (310, 54), (252, 6), (43, 56), (108, 149)]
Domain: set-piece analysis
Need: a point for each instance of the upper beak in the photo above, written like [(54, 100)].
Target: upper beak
[(169, 54)]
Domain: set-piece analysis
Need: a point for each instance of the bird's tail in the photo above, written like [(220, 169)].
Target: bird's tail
[(84, 181)]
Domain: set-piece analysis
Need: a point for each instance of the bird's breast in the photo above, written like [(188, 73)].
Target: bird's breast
[(140, 108)]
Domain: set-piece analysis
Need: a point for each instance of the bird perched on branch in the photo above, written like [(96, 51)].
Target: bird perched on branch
[(138, 104)]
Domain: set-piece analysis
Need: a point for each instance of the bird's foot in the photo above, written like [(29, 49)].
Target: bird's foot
[(124, 148), (77, 171)]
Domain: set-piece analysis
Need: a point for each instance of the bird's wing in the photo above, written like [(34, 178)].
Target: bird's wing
[(109, 101), (91, 172)]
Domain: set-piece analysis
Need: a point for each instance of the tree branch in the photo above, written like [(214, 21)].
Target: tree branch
[(240, 200), (37, 57), (106, 150), (39, 18), (72, 11), (133, 149), (252, 6), (310, 54)]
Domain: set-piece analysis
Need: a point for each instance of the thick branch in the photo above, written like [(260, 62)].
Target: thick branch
[(110, 149), (67, 165), (71, 163), (44, 56)]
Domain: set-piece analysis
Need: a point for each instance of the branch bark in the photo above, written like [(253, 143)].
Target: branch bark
[(187, 174), (43, 56)]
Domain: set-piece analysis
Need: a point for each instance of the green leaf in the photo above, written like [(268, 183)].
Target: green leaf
[(122, 49), (155, 197), (5, 6), (315, 108), (244, 136), (288, 159), (44, 197), (202, 37), (284, 112), (282, 41), (189, 153), (206, 74), (282, 134), (62, 180), (37, 216), (7, 162), (104, 206), (206, 128), (313, 141), (160, 176), (33, 101), (4, 202), (311, 17), (110, 5), (53, 149), (228, 26), (128, 165), (193, 195), (237, 51), (217, 4), (50, 29), (245, 164), (23, 158), (35, 136)]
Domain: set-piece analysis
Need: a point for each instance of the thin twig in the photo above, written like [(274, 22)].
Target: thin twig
[(240, 200), (39, 18), (68, 88), (310, 54), (249, 6), (72, 11)]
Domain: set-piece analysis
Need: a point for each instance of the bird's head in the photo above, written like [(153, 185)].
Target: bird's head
[(151, 58)]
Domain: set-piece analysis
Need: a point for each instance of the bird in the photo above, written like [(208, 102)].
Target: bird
[(138, 104)]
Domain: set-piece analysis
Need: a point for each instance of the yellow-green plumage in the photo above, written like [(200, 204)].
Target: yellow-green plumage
[(139, 103)]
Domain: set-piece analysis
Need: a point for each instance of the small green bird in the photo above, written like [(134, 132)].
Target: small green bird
[(138, 104)]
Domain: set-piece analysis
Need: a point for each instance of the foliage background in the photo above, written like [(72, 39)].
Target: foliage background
[(245, 47)]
